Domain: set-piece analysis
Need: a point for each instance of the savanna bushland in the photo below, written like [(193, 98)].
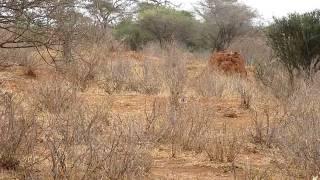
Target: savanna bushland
[(122, 89)]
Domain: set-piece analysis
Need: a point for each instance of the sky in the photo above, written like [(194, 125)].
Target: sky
[(267, 8)]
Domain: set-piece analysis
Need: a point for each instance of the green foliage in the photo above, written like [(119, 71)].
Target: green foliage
[(296, 41), (132, 34), (162, 24), (166, 24)]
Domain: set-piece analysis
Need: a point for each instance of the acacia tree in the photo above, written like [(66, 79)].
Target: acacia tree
[(24, 23), (166, 24), (52, 24), (108, 12), (38, 23), (224, 20), (65, 17)]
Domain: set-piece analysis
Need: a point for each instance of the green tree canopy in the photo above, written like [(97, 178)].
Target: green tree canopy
[(159, 23), (166, 23), (295, 40)]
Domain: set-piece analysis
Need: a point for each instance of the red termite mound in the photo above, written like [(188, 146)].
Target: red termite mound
[(228, 62)]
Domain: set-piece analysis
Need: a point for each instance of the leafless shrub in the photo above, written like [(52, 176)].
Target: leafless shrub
[(174, 69), (222, 146), (91, 60), (123, 76), (126, 75), (210, 84), (252, 47), (54, 95), (30, 62), (264, 128), (9, 57), (245, 90), (153, 49), (181, 123), (217, 85), (175, 74), (84, 68), (252, 173), (18, 134), (120, 77), (86, 142), (25, 58), (299, 133), (99, 40), (276, 79), (83, 143), (81, 73), (128, 157), (194, 125), (156, 126), (151, 82)]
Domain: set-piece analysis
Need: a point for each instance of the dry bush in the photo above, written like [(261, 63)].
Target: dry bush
[(80, 73), (99, 38), (77, 140), (244, 88), (120, 75), (215, 84), (264, 128), (113, 72), (190, 130), (189, 124), (210, 84), (82, 141), (179, 122), (117, 76), (194, 124), (85, 143), (272, 76), (20, 57), (156, 51), (18, 134), (153, 49), (54, 95), (252, 173), (175, 76), (30, 62), (9, 57), (295, 121), (174, 70), (222, 146), (156, 126), (253, 47), (86, 65), (299, 133), (152, 80), (92, 55), (107, 80)]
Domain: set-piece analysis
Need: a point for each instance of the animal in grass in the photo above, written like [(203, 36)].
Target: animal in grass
[(228, 62)]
